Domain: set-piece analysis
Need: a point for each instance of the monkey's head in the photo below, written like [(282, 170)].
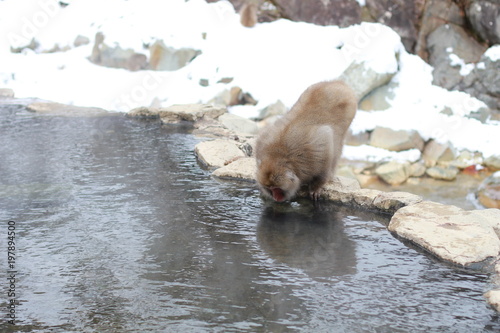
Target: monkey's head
[(276, 180)]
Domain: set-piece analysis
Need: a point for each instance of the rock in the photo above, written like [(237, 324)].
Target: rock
[(394, 173), (449, 232), (402, 16), (243, 168), (81, 40), (484, 80), (489, 191), (451, 39), (466, 159), (276, 109), (345, 171), (333, 12), (363, 79), (435, 14), (493, 298), (484, 17), (6, 93), (390, 202), (238, 124), (341, 189), (493, 162), (435, 152), (248, 147), (144, 112), (217, 153), (165, 58), (365, 197), (396, 140), (491, 218), (443, 173), (358, 139), (189, 112), (115, 56), (366, 180), (57, 109), (378, 99), (223, 98), (211, 128), (417, 169)]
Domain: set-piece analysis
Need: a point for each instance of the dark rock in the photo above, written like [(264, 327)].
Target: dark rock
[(334, 12), (436, 13), (484, 81), (451, 39), (402, 16), (484, 17)]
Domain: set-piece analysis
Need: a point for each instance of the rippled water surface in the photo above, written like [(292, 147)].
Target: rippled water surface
[(120, 230)]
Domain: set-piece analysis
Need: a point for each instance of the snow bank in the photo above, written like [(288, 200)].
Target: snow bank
[(272, 61)]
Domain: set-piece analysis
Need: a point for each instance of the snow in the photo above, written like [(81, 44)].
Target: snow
[(465, 69), (272, 61), (493, 53)]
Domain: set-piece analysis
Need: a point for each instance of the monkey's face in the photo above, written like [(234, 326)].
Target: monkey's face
[(279, 183)]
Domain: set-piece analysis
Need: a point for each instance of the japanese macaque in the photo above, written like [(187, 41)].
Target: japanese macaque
[(248, 13), (303, 147)]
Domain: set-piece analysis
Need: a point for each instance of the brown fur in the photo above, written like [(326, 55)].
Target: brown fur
[(248, 14), (303, 147)]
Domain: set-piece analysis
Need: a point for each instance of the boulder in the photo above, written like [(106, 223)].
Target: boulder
[(450, 39), (217, 153), (238, 124), (211, 128), (378, 99), (341, 189), (6, 93), (435, 14), (242, 168), (402, 16), (189, 112), (57, 109), (166, 58), (81, 40), (390, 202), (357, 139), (450, 233), (333, 12), (435, 152), (115, 56), (363, 79), (275, 109), (493, 162), (488, 193), (493, 298), (484, 80), (484, 17), (396, 140), (442, 173), (394, 173), (466, 159), (417, 169), (144, 112), (365, 197)]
